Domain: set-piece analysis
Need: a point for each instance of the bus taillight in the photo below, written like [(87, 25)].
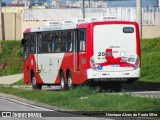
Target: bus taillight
[(137, 63)]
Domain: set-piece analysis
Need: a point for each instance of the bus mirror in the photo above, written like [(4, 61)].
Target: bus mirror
[(22, 42)]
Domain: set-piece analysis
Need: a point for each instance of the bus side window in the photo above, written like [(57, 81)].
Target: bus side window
[(58, 41), (39, 43), (32, 43), (62, 42), (45, 43), (53, 42), (69, 41), (82, 39), (50, 42)]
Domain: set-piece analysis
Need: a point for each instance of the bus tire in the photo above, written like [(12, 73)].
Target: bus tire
[(69, 81), (62, 81), (34, 85)]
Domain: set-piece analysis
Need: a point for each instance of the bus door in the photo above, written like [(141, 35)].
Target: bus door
[(25, 44), (80, 48), (38, 50), (47, 62)]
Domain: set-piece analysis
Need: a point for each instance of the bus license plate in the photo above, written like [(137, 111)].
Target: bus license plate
[(115, 65)]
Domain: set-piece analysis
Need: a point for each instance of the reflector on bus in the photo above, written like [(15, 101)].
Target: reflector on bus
[(108, 18), (68, 22), (93, 19), (78, 21), (54, 23)]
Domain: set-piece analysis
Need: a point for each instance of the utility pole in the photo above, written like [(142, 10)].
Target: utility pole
[(83, 8), (139, 15), (89, 3), (0, 20)]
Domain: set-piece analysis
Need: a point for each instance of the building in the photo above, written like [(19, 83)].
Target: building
[(19, 1), (29, 2)]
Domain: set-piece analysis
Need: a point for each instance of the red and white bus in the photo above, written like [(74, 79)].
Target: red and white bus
[(95, 53)]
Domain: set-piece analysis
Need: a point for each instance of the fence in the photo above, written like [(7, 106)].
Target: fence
[(150, 15)]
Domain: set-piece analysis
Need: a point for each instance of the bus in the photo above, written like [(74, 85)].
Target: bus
[(100, 53)]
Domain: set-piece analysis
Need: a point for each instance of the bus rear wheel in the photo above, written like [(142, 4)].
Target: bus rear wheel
[(69, 81), (63, 84), (34, 85)]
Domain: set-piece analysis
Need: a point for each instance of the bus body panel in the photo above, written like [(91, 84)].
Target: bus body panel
[(115, 53), (113, 49), (29, 66), (49, 65)]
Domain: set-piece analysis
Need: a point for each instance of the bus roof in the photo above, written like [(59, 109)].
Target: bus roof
[(73, 26), (50, 28)]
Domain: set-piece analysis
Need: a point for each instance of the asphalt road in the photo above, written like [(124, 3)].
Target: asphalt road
[(14, 108)]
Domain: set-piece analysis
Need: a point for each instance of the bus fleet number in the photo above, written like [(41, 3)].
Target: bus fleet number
[(101, 53)]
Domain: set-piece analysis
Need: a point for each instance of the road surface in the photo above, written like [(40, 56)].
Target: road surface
[(16, 108)]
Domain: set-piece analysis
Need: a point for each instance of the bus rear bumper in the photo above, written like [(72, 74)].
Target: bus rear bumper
[(113, 76)]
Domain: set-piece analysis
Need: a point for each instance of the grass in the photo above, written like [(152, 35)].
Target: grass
[(11, 58), (82, 98), (20, 82), (150, 59)]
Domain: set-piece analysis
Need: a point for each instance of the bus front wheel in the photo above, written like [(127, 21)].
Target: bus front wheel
[(34, 85)]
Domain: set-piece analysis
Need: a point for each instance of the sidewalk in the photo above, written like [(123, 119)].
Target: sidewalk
[(10, 79)]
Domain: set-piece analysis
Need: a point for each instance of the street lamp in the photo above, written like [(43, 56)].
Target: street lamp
[(83, 8)]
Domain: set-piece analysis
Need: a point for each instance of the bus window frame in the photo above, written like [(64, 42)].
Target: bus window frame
[(38, 41), (78, 40), (34, 43), (62, 32)]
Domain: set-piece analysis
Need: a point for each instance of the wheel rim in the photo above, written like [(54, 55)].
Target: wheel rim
[(62, 81), (69, 80), (33, 81)]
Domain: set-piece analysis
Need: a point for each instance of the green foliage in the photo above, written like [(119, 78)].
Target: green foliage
[(20, 82), (11, 56), (150, 49)]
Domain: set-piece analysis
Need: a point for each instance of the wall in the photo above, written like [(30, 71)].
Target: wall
[(150, 31), (11, 23)]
